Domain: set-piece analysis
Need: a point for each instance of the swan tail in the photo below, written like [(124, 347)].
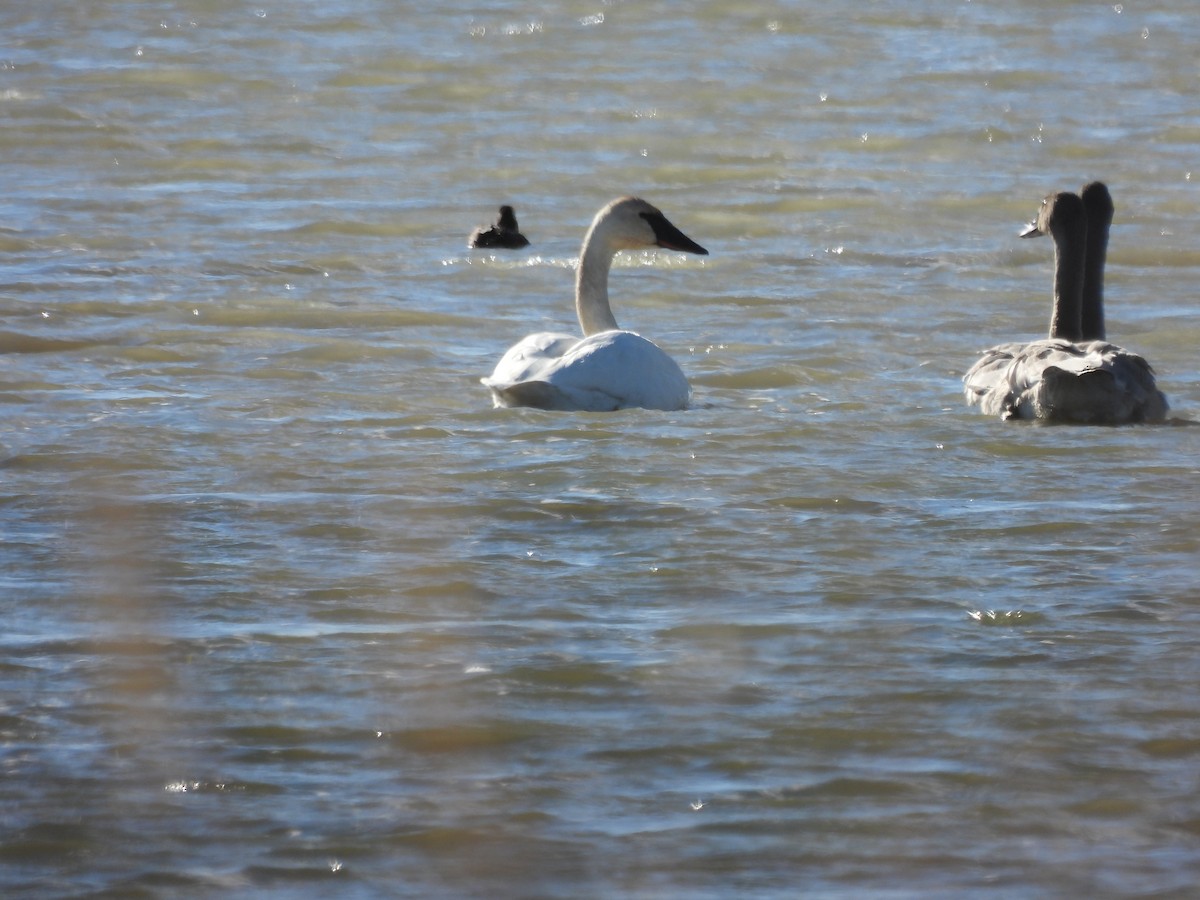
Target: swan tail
[(535, 394), (543, 395)]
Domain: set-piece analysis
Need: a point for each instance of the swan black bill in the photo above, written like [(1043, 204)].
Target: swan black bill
[(671, 238)]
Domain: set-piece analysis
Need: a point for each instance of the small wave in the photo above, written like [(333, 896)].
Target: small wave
[(16, 342)]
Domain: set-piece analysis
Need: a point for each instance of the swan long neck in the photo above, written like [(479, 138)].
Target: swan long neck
[(1100, 214), (591, 283), (1070, 243)]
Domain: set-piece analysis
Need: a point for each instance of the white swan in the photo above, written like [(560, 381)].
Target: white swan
[(1062, 379), (608, 368)]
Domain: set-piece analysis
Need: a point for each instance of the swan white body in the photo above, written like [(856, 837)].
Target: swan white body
[(608, 368), (1066, 377), (599, 373)]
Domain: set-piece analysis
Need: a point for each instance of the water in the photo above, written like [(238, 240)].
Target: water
[(290, 610)]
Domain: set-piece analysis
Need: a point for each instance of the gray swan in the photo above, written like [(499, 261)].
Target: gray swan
[(607, 368), (1070, 377)]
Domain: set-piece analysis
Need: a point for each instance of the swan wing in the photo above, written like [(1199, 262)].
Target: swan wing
[(627, 368), (1102, 384), (987, 375), (530, 358)]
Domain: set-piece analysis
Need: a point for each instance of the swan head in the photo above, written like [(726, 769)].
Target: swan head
[(630, 223), (1097, 200), (1059, 213)]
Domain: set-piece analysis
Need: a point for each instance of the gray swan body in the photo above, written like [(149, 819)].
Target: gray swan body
[(1070, 377), (608, 368)]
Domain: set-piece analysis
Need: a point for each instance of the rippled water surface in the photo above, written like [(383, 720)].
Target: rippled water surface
[(289, 610)]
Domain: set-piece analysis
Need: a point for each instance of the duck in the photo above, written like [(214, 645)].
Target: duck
[(505, 234), (608, 368), (1066, 378)]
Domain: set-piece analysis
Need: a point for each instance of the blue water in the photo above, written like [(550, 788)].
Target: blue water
[(289, 609)]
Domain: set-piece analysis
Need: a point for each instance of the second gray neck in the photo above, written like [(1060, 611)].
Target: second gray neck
[(1066, 321), (1092, 310)]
